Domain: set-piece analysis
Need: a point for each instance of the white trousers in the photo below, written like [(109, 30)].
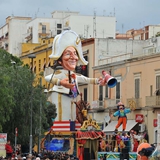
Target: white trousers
[(66, 108)]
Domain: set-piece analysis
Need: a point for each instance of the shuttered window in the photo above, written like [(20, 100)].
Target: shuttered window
[(118, 92), (100, 95), (137, 88), (106, 91), (158, 82), (43, 28)]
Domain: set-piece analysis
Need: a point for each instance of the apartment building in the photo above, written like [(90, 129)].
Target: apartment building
[(11, 34)]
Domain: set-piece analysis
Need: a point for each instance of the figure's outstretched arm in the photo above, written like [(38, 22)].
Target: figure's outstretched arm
[(65, 83)]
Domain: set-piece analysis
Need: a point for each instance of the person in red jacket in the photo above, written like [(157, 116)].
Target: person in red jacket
[(135, 145), (9, 150)]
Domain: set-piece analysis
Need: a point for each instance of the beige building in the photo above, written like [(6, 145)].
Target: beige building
[(138, 83)]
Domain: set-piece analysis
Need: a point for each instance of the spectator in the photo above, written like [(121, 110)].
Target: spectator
[(129, 142), (135, 145), (132, 139), (9, 150), (146, 137), (113, 142)]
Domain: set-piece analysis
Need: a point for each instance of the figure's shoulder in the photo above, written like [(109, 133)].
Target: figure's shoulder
[(58, 72), (61, 73), (78, 74)]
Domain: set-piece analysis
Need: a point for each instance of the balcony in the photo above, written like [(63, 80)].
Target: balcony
[(153, 101), (98, 106), (111, 103), (134, 103), (44, 35)]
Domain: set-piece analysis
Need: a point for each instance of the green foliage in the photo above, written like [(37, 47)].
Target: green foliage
[(158, 34), (19, 88), (50, 113)]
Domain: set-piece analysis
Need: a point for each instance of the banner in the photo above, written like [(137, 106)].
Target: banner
[(3, 137), (158, 132), (3, 141)]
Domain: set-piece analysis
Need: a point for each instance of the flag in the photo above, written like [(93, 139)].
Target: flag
[(65, 125), (16, 132)]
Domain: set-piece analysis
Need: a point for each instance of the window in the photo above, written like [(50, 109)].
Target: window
[(106, 91), (100, 95), (59, 25), (39, 65), (118, 96), (83, 69), (137, 88), (118, 89), (158, 82), (137, 77), (59, 31), (151, 90), (85, 94), (43, 28)]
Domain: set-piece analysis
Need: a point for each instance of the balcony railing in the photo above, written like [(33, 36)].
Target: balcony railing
[(105, 104), (153, 101), (44, 35), (134, 103), (98, 105), (114, 58), (111, 103)]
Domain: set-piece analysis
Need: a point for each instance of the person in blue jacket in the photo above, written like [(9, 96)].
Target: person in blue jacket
[(122, 118)]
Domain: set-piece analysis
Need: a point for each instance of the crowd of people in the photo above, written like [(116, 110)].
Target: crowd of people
[(129, 141), (49, 155), (44, 155)]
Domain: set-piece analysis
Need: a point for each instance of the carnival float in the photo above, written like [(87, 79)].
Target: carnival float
[(74, 131)]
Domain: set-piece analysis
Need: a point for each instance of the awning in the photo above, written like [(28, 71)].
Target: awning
[(111, 126), (89, 135)]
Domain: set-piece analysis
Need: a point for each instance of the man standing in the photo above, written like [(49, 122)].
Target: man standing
[(9, 150)]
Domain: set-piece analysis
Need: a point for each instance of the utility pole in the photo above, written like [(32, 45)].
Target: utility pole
[(32, 56), (16, 134), (40, 111)]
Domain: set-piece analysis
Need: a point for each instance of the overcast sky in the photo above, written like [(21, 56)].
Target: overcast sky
[(129, 13)]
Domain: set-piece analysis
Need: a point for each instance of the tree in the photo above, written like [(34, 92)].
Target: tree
[(18, 88), (50, 114)]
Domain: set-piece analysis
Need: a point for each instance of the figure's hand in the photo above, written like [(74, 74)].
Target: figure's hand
[(65, 83), (111, 116), (102, 81)]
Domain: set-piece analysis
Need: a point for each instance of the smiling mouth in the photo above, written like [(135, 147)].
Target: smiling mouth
[(72, 62)]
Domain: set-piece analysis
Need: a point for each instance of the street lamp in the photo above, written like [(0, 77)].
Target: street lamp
[(32, 56)]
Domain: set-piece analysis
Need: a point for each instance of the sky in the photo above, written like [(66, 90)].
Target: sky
[(130, 14)]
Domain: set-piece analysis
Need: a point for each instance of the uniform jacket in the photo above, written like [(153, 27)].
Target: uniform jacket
[(62, 74)]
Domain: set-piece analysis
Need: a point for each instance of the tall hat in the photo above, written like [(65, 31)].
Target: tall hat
[(66, 39), (120, 104)]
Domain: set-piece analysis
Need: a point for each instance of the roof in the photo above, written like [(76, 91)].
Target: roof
[(111, 126)]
